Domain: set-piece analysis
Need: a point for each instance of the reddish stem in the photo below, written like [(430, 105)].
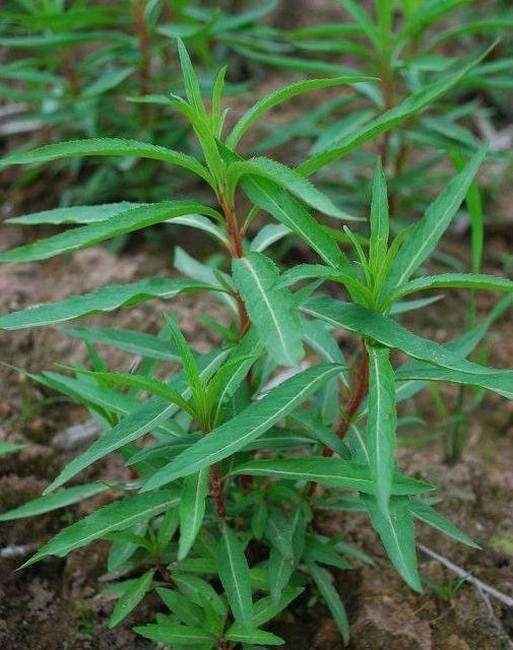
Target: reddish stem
[(143, 37)]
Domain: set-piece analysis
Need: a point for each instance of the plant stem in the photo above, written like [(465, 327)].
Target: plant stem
[(216, 491), (143, 38), (360, 386), (236, 249)]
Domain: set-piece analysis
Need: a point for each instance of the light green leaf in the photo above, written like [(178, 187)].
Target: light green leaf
[(290, 213), (105, 147), (324, 583), (54, 501), (234, 574), (397, 534), (379, 226), (78, 214), (175, 634), (332, 472), (131, 597), (381, 422), (430, 516), (286, 178), (266, 609), (89, 235), (415, 103), (104, 299), (427, 232), (281, 95), (472, 281), (185, 610), (118, 515), (192, 510), (247, 634), (386, 331), (246, 427), (267, 236), (272, 309)]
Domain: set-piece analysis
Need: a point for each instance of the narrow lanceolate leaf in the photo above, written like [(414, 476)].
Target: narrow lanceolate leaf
[(379, 225), (381, 422), (268, 235), (396, 531), (430, 516), (234, 574), (332, 472), (250, 636), (246, 427), (271, 309), (130, 428), (286, 178), (89, 235), (277, 97), (324, 583), (104, 299), (472, 281), (175, 635), (415, 103), (131, 597), (192, 510), (386, 331), (105, 147), (145, 345), (79, 214), (292, 214), (427, 232), (118, 515), (54, 501)]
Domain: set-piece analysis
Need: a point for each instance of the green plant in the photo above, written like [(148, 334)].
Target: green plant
[(223, 511)]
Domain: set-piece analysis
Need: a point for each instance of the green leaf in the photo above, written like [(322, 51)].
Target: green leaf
[(332, 472), (104, 299), (54, 501), (10, 447), (387, 332), (131, 598), (266, 609), (267, 236), (246, 427), (281, 95), (427, 232), (145, 345), (137, 423), (174, 634), (105, 147), (289, 212), (247, 634), (415, 103), (359, 15), (472, 281), (192, 87), (272, 309), (475, 209), (118, 515), (234, 574), (379, 222), (79, 214), (381, 422), (185, 610), (430, 516), (279, 572), (324, 583), (192, 510), (89, 235), (286, 178), (396, 531)]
